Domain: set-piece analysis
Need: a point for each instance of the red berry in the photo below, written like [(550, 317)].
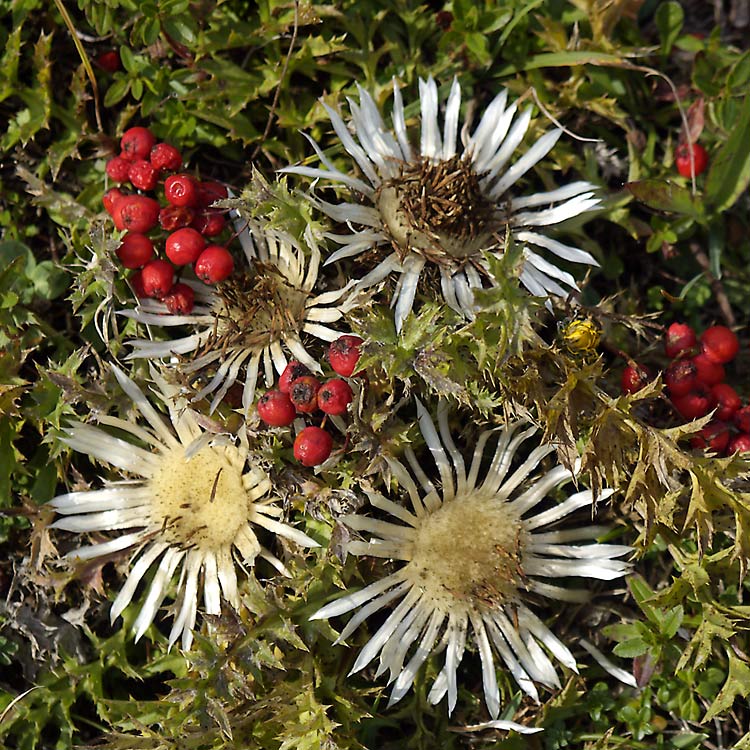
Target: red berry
[(291, 372), (136, 143), (136, 281), (175, 217), (209, 223), (184, 246), (117, 169), (165, 157), (136, 213), (727, 401), (135, 250), (714, 436), (180, 299), (109, 61), (181, 190), (680, 338), (304, 394), (739, 444), (312, 446), (214, 264), (634, 377), (142, 174), (334, 396), (680, 377), (275, 409), (158, 276), (110, 198), (695, 404), (742, 419), (708, 371), (720, 344), (682, 159), (343, 354), (210, 192)]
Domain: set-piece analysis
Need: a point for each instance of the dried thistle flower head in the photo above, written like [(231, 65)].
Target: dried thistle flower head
[(251, 320)]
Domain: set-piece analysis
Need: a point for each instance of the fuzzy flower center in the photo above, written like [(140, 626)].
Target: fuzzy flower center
[(199, 502), (437, 209), (255, 308), (468, 553)]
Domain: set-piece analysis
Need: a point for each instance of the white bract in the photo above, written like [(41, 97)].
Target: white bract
[(435, 205), (471, 550), (189, 501), (252, 319)]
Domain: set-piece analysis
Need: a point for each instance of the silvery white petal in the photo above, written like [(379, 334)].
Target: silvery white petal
[(617, 672), (430, 145), (566, 252), (552, 196), (450, 131), (533, 156), (352, 601), (135, 575), (356, 151), (399, 123)]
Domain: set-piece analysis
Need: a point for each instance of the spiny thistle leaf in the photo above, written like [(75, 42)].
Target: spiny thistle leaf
[(737, 685), (281, 209)]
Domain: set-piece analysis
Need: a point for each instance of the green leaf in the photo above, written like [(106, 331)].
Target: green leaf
[(690, 284), (151, 30), (685, 740), (739, 77), (49, 280), (631, 648), (714, 626), (672, 621), (744, 742), (12, 249), (663, 195), (7, 459), (669, 18), (704, 76), (127, 58), (518, 16), (562, 60), (8, 300), (737, 684), (621, 631), (729, 175), (117, 91), (137, 88), (180, 29), (9, 64), (641, 591)]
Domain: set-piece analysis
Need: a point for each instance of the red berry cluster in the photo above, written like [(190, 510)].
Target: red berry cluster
[(187, 217), (695, 383), (300, 392)]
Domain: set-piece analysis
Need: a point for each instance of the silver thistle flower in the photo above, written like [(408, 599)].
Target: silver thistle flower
[(434, 205), (470, 550), (191, 501)]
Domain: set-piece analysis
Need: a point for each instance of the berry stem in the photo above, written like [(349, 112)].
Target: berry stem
[(342, 450)]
